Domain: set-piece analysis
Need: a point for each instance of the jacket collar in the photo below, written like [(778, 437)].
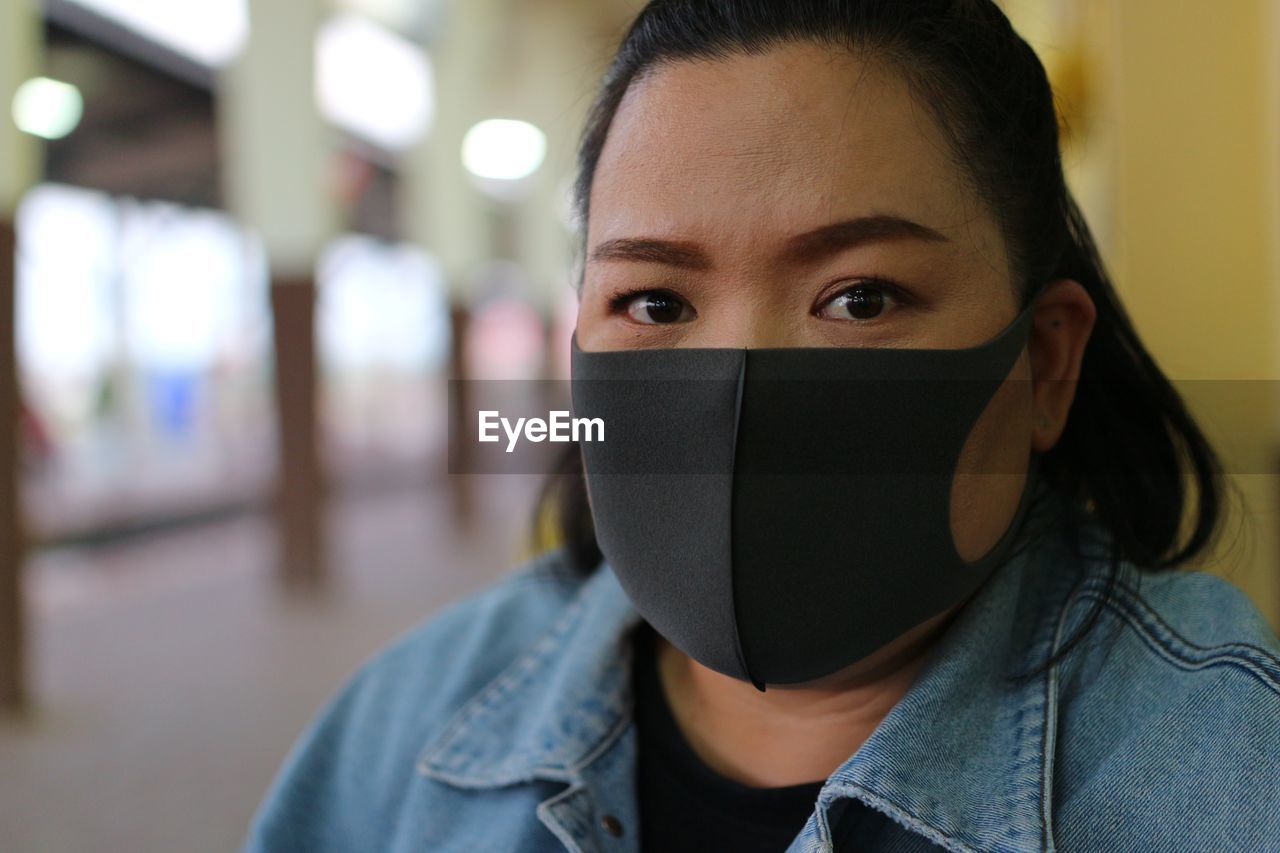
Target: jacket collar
[(555, 708), (965, 758)]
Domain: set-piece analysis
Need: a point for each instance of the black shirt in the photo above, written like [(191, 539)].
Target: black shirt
[(687, 806)]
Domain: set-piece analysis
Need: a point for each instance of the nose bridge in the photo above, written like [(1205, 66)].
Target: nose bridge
[(755, 312), (773, 330)]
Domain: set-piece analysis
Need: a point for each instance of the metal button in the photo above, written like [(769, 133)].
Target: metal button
[(612, 825)]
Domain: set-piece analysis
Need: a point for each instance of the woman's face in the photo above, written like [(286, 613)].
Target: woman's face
[(803, 198)]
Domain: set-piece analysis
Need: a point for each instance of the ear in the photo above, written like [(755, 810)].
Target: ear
[(1063, 322)]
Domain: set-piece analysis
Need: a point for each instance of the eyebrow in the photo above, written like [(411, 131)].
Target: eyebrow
[(832, 239), (649, 251), (814, 245)]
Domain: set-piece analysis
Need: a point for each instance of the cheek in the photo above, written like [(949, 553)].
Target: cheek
[(992, 468)]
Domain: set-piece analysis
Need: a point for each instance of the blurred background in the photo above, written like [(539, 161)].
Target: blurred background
[(244, 245)]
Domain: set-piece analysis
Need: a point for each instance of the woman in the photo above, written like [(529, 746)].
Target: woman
[(807, 608)]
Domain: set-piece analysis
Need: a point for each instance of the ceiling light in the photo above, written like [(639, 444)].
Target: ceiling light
[(373, 83), (212, 32), (504, 150), (47, 108)]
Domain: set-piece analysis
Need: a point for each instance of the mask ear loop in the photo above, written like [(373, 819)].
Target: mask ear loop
[(999, 552), (1034, 478), (1033, 464)]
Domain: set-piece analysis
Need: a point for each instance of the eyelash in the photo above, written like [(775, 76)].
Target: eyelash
[(619, 301), (895, 291)]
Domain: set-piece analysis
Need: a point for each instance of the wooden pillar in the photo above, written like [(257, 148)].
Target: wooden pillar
[(278, 157), (461, 495), (442, 210), (12, 546), (300, 497), (21, 43)]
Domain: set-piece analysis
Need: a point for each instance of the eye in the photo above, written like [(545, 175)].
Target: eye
[(863, 302), (656, 308)]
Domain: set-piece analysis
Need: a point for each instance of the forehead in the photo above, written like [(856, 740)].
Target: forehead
[(794, 137)]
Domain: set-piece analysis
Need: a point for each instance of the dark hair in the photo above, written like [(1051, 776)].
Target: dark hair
[(1129, 444)]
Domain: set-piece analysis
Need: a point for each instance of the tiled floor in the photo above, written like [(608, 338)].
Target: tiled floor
[(172, 674)]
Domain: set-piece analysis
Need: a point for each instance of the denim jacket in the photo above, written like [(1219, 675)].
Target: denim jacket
[(504, 724)]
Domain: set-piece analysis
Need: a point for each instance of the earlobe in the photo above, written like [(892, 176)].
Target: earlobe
[(1064, 320)]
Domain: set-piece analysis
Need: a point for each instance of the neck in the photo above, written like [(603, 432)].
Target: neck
[(790, 734)]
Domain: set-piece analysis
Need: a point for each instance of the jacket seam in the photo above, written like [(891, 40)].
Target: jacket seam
[(1048, 738), (551, 773), (1049, 735), (606, 743), (1240, 656), (1133, 594)]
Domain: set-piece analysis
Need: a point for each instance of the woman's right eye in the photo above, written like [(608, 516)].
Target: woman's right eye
[(657, 308)]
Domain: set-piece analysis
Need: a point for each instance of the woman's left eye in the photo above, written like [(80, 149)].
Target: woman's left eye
[(863, 302)]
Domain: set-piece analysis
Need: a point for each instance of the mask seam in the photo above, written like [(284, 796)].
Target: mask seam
[(733, 474)]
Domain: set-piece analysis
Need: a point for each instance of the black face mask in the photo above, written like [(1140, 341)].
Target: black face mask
[(779, 514)]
